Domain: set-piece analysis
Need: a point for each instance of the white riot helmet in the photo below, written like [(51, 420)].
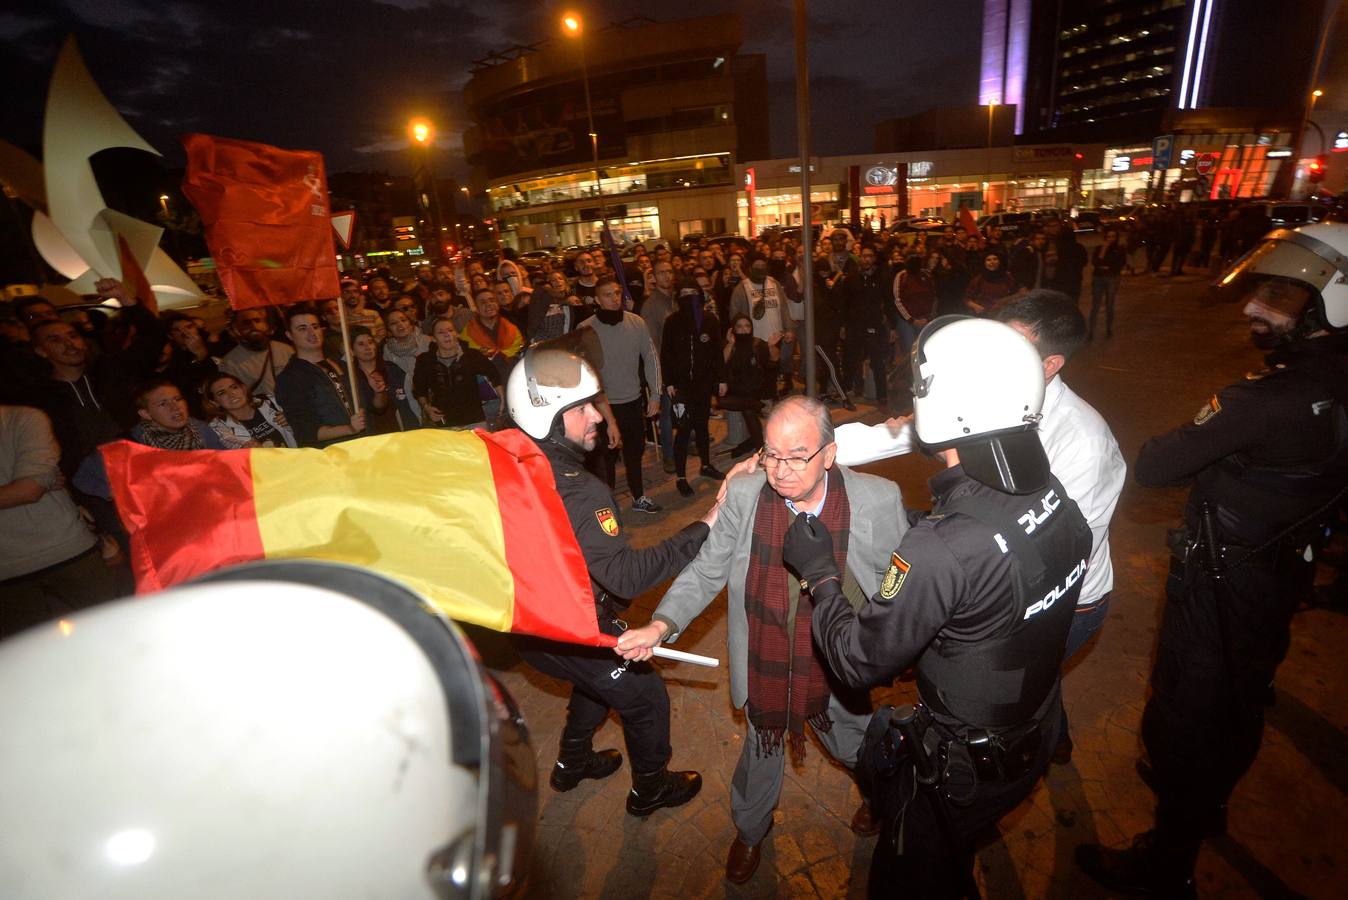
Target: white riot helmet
[(1312, 256), (285, 729), (978, 386), (553, 377)]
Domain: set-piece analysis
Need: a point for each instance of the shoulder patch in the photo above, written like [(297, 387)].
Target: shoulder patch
[(1264, 373), (894, 578), (608, 522), (1210, 409)]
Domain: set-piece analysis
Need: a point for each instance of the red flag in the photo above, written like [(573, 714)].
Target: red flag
[(967, 221), (133, 277), (265, 211)]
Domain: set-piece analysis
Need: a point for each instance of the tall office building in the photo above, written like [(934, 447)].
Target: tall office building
[(1116, 70)]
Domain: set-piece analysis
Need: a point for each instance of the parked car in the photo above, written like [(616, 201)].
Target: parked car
[(921, 223), (1013, 224)]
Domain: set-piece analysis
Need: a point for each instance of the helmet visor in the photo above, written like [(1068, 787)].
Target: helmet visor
[(1289, 256)]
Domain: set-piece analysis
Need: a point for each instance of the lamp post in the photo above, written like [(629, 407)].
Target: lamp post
[(423, 135), (573, 26), (987, 163), (802, 26)]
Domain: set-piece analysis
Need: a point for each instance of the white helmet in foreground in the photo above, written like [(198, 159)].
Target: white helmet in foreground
[(1312, 256), (285, 729), (551, 378), (978, 386)]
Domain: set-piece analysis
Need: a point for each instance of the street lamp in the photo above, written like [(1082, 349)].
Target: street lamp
[(573, 27), (423, 134)]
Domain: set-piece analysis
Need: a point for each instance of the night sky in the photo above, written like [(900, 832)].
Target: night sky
[(344, 76)]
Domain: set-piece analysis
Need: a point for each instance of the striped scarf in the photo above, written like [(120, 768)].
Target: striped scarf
[(788, 684)]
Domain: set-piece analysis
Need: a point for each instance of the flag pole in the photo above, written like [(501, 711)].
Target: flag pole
[(350, 360)]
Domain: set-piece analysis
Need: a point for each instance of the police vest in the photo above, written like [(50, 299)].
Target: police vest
[(1005, 680)]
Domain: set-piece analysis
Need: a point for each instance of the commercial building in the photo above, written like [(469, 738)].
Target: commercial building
[(674, 105), (897, 186), (1229, 80)]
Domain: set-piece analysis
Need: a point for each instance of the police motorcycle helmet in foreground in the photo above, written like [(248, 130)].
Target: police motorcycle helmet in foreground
[(280, 729)]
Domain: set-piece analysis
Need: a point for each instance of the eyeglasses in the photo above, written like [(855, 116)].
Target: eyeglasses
[(794, 463)]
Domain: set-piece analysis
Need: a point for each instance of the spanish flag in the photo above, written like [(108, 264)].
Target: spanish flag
[(470, 520)]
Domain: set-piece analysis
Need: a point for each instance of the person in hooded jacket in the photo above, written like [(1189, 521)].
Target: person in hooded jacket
[(694, 370)]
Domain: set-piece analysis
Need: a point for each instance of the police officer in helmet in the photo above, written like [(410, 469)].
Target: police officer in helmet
[(1267, 459), (551, 395), (979, 596)]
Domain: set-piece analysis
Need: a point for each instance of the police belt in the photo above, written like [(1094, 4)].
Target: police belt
[(958, 760)]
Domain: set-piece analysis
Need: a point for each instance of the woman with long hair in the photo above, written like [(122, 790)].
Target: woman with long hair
[(241, 419), (373, 381)]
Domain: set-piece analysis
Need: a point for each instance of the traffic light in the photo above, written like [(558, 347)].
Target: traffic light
[(1315, 172)]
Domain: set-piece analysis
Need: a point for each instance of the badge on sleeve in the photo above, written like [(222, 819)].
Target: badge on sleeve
[(1210, 409), (898, 571), (607, 521)]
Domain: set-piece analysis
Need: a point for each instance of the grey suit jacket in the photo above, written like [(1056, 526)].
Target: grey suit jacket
[(878, 523)]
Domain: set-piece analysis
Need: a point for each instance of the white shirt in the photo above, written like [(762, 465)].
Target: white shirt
[(1082, 454)]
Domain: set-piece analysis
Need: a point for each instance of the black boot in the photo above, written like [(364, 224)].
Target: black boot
[(655, 790), (1138, 870), (578, 760)]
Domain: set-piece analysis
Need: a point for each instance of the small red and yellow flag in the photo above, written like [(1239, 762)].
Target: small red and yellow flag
[(470, 520)]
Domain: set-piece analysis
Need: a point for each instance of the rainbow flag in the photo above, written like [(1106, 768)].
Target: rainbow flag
[(470, 520)]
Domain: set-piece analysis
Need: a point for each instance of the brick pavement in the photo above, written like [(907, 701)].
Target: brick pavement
[(1287, 829)]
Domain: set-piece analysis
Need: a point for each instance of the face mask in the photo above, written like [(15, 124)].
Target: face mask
[(609, 316), (743, 339), (757, 275)]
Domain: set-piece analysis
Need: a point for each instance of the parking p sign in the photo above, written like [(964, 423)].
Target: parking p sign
[(1161, 149)]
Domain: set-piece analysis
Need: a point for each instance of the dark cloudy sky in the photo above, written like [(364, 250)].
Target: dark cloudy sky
[(344, 76)]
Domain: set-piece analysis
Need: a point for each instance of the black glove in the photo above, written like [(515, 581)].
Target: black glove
[(808, 550)]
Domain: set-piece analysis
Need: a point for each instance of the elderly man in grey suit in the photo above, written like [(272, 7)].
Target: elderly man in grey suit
[(774, 667)]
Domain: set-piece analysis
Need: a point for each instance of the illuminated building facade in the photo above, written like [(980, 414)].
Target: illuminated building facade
[(674, 106)]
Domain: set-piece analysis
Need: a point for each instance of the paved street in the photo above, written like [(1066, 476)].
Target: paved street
[(1287, 828)]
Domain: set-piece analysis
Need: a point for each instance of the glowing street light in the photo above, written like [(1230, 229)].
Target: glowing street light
[(573, 27), (422, 133)]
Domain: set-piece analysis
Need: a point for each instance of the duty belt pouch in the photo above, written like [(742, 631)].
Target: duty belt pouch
[(1180, 542)]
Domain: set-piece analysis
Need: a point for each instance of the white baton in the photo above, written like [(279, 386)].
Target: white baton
[(710, 662)]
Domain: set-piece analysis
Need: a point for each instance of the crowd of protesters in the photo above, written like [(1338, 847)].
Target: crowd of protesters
[(688, 333)]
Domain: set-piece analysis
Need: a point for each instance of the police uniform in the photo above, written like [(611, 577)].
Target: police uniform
[(980, 595), (1267, 457), (618, 572)]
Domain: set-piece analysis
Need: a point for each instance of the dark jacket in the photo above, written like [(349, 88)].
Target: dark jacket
[(454, 389), (310, 399), (869, 298), (1027, 265), (1266, 451), (691, 358), (617, 569), (750, 374)]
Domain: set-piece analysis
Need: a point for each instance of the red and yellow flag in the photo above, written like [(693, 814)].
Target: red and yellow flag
[(267, 221), (470, 520)]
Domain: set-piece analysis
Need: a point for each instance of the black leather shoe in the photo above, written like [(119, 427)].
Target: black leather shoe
[(577, 762), (710, 471), (684, 487), (1134, 870), (657, 790)]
